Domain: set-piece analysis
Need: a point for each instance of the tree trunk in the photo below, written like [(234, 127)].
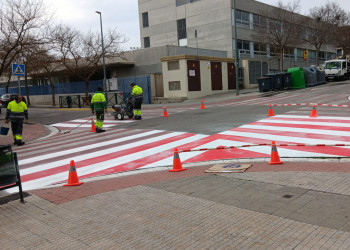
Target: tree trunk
[(27, 89), (53, 92), (87, 88)]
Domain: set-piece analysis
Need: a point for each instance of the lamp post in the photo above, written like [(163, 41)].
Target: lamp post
[(103, 58), (236, 49)]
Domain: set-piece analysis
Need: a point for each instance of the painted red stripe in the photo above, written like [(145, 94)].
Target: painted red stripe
[(102, 158), (301, 126), (306, 119)]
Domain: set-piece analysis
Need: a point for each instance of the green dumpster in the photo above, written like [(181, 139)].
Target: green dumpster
[(297, 78)]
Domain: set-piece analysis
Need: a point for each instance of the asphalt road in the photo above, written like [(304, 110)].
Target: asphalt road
[(213, 119)]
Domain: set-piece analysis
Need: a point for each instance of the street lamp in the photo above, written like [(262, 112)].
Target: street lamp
[(103, 58), (236, 49)]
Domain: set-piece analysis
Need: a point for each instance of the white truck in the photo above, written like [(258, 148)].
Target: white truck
[(337, 69)]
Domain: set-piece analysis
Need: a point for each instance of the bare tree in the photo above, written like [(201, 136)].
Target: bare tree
[(43, 63), (81, 54), (321, 28), (279, 28), (20, 25)]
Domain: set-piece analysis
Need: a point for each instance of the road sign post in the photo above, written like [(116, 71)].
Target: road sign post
[(18, 70)]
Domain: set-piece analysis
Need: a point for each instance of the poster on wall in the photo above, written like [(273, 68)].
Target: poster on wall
[(192, 72)]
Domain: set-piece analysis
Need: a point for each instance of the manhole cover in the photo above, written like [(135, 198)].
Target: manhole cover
[(288, 196)]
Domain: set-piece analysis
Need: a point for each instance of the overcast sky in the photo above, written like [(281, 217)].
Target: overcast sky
[(123, 15)]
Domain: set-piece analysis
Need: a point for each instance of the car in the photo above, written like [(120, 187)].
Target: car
[(6, 98)]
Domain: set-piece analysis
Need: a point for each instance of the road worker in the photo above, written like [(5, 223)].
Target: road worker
[(99, 106), (16, 112), (137, 94)]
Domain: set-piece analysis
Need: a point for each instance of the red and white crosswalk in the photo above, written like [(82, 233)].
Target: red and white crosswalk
[(46, 162)]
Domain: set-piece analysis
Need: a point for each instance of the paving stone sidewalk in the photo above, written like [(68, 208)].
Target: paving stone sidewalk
[(192, 210)]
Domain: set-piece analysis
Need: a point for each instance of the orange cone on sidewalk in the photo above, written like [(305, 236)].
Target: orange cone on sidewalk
[(177, 166), (93, 126), (314, 112), (202, 105), (73, 179), (270, 111), (275, 159), (165, 113)]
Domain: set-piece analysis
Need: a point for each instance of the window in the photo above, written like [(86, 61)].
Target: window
[(175, 85), (173, 65), (243, 46), (146, 42), (321, 55), (257, 20), (242, 17), (181, 29), (259, 49), (300, 53), (183, 2), (312, 54), (145, 19)]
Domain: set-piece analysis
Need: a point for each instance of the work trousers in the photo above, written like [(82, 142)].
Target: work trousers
[(100, 117), (137, 107), (17, 128)]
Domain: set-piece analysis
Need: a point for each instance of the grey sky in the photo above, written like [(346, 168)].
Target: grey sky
[(123, 15)]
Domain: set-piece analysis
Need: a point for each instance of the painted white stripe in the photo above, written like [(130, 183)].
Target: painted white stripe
[(71, 125), (41, 182), (331, 124), (299, 130), (105, 121), (97, 145), (315, 118), (283, 138), (82, 157)]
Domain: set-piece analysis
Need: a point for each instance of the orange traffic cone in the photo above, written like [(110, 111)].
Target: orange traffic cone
[(275, 159), (270, 111), (165, 114), (202, 105), (93, 126), (314, 112), (72, 176), (177, 166)]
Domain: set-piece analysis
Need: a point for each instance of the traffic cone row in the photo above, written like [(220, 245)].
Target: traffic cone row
[(73, 179), (313, 112), (177, 166), (202, 105), (165, 113), (93, 126), (275, 159), (270, 113)]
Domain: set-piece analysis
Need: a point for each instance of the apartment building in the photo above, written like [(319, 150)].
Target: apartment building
[(209, 24)]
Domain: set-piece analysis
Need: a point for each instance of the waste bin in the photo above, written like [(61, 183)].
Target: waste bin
[(287, 81), (310, 76), (297, 78), (276, 79), (320, 74), (265, 84)]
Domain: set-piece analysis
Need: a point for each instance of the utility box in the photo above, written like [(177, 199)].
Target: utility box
[(113, 84)]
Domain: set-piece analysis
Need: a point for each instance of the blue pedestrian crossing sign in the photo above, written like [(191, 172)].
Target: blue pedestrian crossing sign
[(18, 69)]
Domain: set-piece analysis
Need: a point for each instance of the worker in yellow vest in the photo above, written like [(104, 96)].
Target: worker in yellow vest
[(16, 112), (137, 94), (99, 106)]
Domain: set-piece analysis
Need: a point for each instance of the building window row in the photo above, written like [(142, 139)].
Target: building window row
[(183, 2)]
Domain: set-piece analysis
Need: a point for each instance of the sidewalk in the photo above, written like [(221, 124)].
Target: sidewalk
[(290, 206)]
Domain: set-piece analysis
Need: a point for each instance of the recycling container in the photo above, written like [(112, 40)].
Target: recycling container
[(310, 76), (287, 81), (265, 84), (321, 74), (297, 78), (276, 79)]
